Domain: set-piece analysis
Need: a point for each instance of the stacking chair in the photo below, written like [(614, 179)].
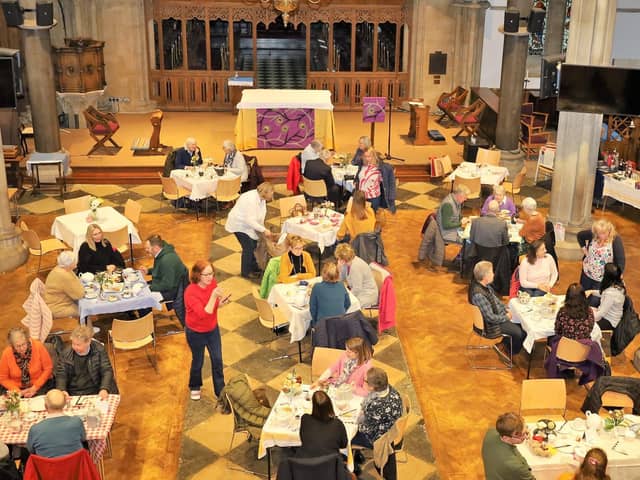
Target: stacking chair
[(119, 239), (618, 401), (372, 311), (238, 427), (487, 156), (40, 247), (132, 335), (546, 158), (74, 465), (440, 166), (171, 191), (486, 342), (323, 358), (516, 185), (571, 352), (272, 318), (228, 190), (132, 210), (102, 127), (473, 183), (287, 204), (543, 396), (79, 204), (314, 190)]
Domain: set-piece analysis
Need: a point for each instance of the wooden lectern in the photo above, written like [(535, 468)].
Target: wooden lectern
[(419, 126)]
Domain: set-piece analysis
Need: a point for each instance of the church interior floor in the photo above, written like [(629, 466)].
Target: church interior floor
[(159, 433)]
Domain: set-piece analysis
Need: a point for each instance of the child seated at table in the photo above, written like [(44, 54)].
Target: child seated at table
[(350, 368)]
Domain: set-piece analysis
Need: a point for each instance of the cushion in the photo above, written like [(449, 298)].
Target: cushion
[(100, 129), (469, 119)]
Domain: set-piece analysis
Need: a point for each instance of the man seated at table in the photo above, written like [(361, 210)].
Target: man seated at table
[(501, 458), (234, 161), (168, 271), (84, 367), (188, 155), (449, 214), (504, 202), (310, 152), (320, 169), (58, 434), (62, 288), (489, 231), (533, 227), (496, 318)]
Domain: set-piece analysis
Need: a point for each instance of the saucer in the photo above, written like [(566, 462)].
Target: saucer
[(578, 424)]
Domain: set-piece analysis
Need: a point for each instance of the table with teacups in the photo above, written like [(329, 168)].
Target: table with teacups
[(319, 226), (72, 227), (538, 318), (282, 428), (339, 172), (513, 229), (293, 301), (489, 174), (134, 294), (623, 452), (201, 182), (622, 189), (78, 406)]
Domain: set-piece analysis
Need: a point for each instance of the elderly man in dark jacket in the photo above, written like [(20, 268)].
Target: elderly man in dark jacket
[(84, 367)]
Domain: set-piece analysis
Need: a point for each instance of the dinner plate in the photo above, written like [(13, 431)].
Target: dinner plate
[(91, 295), (578, 424)]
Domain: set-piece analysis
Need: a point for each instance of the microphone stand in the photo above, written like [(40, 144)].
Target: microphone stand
[(388, 156)]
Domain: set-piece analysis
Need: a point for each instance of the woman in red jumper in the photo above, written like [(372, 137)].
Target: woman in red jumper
[(202, 299)]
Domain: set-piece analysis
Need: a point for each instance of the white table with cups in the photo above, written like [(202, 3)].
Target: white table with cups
[(513, 228), (200, 181), (319, 226), (489, 174), (339, 172)]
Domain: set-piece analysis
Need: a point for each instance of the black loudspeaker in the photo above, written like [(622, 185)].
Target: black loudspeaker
[(44, 14), (536, 21), (437, 63), (12, 14), (549, 76), (511, 20)]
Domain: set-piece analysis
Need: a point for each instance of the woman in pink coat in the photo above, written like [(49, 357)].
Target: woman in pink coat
[(351, 367)]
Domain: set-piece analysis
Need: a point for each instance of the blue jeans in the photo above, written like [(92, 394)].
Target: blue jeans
[(248, 262), (197, 342)]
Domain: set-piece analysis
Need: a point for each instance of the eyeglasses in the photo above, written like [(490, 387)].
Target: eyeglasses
[(207, 274), (521, 435)]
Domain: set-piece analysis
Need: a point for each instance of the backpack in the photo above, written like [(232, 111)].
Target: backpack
[(169, 163)]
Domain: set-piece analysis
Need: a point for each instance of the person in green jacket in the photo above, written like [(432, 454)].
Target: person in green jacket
[(168, 270), (501, 458)]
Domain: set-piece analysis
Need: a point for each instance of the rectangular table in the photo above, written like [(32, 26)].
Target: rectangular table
[(620, 466), (201, 187), (513, 228), (489, 174), (96, 437), (277, 434), (284, 295), (271, 119), (622, 190), (325, 232), (72, 228)]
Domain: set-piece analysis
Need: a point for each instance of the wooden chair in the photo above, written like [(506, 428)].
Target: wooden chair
[(119, 239), (486, 156), (273, 318), (228, 190), (39, 247), (102, 127), (132, 335), (537, 119), (618, 401), (572, 351), (132, 211), (314, 189), (532, 140), (451, 101), (441, 166), (79, 204), (323, 358), (288, 203), (474, 185), (171, 191), (544, 395), (468, 118), (377, 277), (516, 185), (486, 343)]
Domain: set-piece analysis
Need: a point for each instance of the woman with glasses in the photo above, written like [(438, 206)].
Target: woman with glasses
[(296, 264), (202, 299)]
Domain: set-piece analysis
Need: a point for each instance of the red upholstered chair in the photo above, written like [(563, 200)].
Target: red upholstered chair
[(537, 119), (468, 118), (451, 101), (531, 139), (75, 466), (102, 126)]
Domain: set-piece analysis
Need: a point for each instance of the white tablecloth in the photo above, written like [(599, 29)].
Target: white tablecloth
[(340, 172), (269, 98), (277, 433), (538, 322), (622, 190), (284, 295), (200, 187), (489, 174), (620, 466), (324, 233), (72, 228), (513, 228)]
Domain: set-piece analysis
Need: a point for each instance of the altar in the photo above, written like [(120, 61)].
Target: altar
[(284, 119)]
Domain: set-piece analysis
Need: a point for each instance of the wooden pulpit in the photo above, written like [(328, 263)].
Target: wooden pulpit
[(419, 125)]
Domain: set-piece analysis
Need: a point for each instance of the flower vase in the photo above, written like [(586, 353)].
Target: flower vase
[(93, 215), (14, 421)]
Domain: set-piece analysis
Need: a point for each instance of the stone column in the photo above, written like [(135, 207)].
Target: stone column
[(13, 253), (590, 43), (40, 81), (467, 59), (556, 13)]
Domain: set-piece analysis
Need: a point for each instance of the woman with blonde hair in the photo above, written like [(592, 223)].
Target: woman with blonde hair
[(357, 274), (97, 254), (350, 368), (295, 263), (600, 245), (359, 219), (593, 467), (329, 298)]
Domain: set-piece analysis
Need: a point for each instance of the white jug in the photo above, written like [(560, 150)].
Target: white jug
[(594, 421)]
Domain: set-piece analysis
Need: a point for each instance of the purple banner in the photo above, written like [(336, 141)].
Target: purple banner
[(373, 109), (285, 127)]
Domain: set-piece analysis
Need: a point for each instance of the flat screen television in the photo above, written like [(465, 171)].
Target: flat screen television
[(594, 89), (7, 89)]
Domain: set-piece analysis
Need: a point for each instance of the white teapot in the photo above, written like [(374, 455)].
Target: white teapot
[(594, 421)]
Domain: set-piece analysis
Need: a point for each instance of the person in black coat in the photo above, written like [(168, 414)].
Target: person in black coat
[(188, 155), (97, 254), (321, 432), (319, 169)]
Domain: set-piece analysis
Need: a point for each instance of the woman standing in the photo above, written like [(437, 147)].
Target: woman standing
[(321, 433), (359, 219), (296, 264), (357, 274), (97, 254), (538, 272), (612, 295), (329, 298), (600, 245), (370, 178), (202, 299), (246, 221), (351, 367), (575, 318), (25, 365)]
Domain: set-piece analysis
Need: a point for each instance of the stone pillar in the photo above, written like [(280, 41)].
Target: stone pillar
[(467, 58), (13, 253), (40, 81), (590, 43), (556, 13)]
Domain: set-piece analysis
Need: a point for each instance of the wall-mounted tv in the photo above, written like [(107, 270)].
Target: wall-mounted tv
[(593, 89)]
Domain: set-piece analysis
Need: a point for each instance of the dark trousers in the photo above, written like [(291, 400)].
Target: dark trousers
[(534, 292), (389, 472), (517, 334), (375, 203), (197, 342), (248, 261)]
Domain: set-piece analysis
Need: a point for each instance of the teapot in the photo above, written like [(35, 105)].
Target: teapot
[(594, 421), (523, 297)]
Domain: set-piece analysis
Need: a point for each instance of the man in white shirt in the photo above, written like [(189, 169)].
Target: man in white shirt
[(310, 152), (246, 221)]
